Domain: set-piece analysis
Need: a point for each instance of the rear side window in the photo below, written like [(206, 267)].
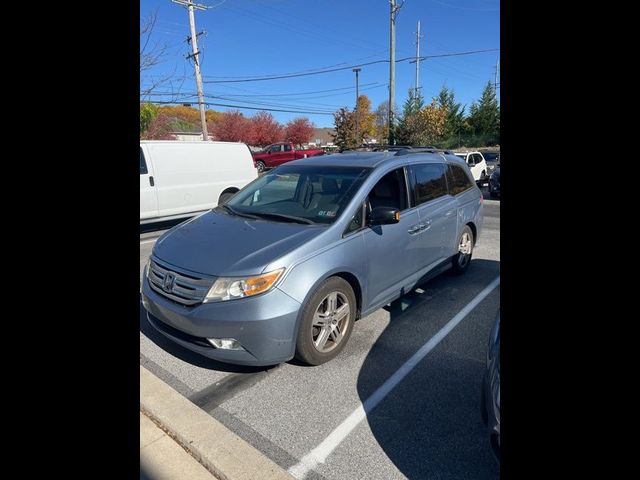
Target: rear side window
[(143, 164), (429, 181), (287, 148), (459, 181)]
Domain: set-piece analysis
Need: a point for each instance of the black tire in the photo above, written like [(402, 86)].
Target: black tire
[(493, 194), (224, 198), (260, 166), (483, 179), (462, 261), (306, 350)]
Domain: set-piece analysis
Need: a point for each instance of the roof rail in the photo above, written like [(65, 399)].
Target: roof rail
[(411, 150)]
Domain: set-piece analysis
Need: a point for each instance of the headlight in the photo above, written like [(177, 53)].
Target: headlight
[(231, 288)]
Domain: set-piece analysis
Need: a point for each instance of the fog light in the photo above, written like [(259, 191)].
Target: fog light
[(225, 343)]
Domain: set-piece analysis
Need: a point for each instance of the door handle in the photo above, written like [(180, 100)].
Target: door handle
[(425, 226), (151, 182), (449, 213), (414, 229)]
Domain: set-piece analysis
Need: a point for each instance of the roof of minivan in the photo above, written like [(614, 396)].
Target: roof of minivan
[(372, 159)]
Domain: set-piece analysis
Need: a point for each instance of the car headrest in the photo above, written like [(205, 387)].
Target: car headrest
[(329, 185)]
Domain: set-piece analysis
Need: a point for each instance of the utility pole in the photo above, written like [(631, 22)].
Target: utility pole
[(393, 13), (418, 37), (356, 109), (194, 44), (495, 80)]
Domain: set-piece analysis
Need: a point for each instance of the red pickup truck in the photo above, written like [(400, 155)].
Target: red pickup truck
[(279, 153)]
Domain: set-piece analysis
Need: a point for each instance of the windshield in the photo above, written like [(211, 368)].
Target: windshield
[(299, 193)]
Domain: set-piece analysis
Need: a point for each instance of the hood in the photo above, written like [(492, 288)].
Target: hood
[(224, 245)]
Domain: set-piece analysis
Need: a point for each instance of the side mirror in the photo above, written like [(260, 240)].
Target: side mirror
[(384, 216)]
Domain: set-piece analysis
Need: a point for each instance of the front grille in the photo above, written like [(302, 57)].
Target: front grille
[(185, 289)]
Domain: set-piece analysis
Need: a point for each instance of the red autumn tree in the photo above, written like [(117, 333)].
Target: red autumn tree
[(264, 129), (299, 130), (231, 127), (159, 129)]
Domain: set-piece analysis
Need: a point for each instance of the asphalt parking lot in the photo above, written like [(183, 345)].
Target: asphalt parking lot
[(349, 418)]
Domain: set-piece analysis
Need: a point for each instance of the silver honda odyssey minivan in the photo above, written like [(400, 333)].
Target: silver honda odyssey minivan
[(288, 264)]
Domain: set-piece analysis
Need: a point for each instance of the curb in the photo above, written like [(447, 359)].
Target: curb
[(217, 448)]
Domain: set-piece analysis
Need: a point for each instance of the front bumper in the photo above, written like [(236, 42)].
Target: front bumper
[(265, 325)]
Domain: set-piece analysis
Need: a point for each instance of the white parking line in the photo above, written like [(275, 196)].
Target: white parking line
[(148, 241), (319, 454)]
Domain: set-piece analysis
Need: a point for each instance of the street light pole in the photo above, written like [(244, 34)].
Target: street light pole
[(356, 109)]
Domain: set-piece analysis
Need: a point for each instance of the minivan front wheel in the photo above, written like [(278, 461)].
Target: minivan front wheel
[(462, 258), (327, 322)]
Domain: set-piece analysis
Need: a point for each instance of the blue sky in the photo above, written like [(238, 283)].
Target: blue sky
[(253, 38)]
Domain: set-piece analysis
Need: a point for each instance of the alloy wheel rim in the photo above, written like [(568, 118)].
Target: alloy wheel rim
[(464, 248), (330, 321)]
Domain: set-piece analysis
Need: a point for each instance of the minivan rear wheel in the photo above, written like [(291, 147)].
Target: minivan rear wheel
[(462, 258), (327, 322)]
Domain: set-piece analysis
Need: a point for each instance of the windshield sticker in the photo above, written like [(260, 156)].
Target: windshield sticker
[(327, 213)]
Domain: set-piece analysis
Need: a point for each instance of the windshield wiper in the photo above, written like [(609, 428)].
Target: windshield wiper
[(280, 216), (233, 211)]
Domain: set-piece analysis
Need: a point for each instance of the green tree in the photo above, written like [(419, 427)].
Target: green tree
[(382, 122), (345, 128), (484, 116), (455, 112), (148, 113), (426, 126), (408, 121)]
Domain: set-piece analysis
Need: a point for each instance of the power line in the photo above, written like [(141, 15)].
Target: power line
[(278, 77), (316, 37), (305, 93), (239, 97), (240, 107)]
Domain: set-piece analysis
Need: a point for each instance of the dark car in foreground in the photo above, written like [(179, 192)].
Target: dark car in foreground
[(491, 389), (494, 184), (286, 266)]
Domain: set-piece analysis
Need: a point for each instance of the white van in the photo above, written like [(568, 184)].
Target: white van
[(182, 179)]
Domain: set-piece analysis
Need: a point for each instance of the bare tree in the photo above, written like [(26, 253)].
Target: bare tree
[(152, 53)]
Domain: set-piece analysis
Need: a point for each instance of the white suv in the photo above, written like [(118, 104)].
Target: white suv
[(477, 165)]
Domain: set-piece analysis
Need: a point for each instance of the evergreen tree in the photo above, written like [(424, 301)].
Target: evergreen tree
[(455, 112), (382, 122), (484, 117), (345, 136), (412, 105)]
